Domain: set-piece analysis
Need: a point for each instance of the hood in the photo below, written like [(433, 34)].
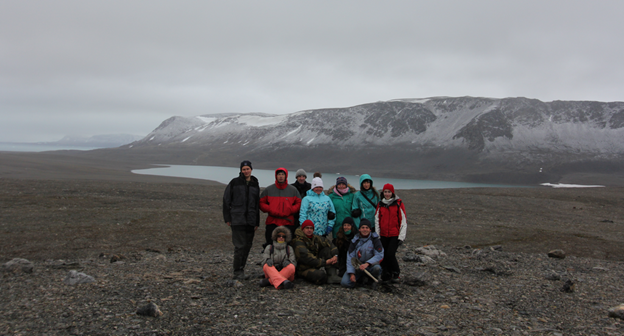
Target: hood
[(281, 229), (281, 185), (365, 177)]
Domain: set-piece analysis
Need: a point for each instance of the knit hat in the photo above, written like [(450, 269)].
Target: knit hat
[(365, 222), (388, 186), (348, 220), (307, 223), (317, 182), (341, 179), (246, 163), (301, 172)]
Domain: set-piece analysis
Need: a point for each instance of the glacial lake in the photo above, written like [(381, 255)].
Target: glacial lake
[(267, 177)]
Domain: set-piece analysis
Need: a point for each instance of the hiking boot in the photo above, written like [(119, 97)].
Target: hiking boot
[(287, 285), (241, 276), (332, 275), (395, 278), (265, 282)]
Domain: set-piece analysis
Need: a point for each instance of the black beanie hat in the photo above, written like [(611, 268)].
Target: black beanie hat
[(366, 222), (246, 163), (348, 220)]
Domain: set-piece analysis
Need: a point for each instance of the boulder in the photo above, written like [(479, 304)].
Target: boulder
[(75, 278), (17, 265)]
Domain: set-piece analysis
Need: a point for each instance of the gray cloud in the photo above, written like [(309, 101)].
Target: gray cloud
[(123, 67)]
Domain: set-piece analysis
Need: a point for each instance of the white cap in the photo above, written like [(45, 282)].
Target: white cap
[(317, 182)]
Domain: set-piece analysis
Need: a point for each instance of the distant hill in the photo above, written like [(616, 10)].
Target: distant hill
[(510, 140)]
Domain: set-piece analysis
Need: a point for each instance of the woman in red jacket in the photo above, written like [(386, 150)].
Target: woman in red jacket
[(391, 225)]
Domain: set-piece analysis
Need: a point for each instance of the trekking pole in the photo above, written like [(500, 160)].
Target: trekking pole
[(356, 263)]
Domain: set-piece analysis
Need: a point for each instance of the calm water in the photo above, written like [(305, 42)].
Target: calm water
[(26, 147), (267, 177)]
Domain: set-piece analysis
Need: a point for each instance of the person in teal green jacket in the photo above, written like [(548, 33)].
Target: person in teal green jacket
[(342, 196), (365, 201)]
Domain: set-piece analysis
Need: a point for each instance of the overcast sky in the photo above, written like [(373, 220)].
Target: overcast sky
[(105, 67)]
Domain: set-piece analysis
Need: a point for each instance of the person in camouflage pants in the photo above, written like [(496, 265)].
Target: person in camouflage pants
[(314, 253)]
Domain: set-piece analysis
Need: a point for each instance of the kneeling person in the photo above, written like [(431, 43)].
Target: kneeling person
[(279, 261), (367, 249), (313, 254)]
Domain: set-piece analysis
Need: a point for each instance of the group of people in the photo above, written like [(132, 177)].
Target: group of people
[(342, 237)]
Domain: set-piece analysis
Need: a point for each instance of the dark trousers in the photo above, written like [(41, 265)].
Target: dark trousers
[(242, 238), (269, 232), (390, 264), (316, 275)]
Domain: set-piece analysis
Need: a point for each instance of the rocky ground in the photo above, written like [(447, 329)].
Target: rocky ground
[(163, 241)]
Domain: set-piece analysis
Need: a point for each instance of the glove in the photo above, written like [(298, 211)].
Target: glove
[(356, 213), (331, 215), (329, 230), (269, 262), (400, 243)]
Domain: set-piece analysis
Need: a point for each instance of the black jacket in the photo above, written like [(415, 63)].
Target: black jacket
[(302, 188), (241, 202)]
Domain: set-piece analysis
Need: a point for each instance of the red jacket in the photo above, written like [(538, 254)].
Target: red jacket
[(390, 220), (281, 201)]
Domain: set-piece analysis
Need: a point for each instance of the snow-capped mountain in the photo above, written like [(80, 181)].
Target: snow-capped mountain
[(478, 124), (515, 132)]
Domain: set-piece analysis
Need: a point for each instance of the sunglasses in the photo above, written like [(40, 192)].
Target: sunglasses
[(281, 236)]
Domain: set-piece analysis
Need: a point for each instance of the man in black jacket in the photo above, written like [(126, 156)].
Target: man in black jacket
[(302, 187), (241, 212)]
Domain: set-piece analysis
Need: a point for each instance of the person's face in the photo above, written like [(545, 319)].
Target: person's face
[(308, 230), (341, 185), (301, 179), (281, 177), (346, 227), (318, 190), (387, 194), (366, 185), (364, 231), (246, 170), (281, 237)]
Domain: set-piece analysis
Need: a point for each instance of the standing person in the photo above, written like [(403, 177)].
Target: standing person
[(316, 257), (342, 196), (241, 213), (318, 208), (342, 242), (281, 201), (279, 261), (368, 250), (302, 186), (391, 225), (365, 201)]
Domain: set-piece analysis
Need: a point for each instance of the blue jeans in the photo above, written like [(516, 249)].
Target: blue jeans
[(373, 270)]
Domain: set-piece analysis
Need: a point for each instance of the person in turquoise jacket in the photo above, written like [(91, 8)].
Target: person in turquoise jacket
[(365, 201), (318, 207), (342, 196)]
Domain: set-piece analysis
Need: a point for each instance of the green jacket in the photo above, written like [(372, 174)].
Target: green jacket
[(342, 204), (360, 202), (307, 251)]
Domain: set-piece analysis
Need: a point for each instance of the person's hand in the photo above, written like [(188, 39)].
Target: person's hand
[(364, 266), (356, 213), (269, 262), (352, 277), (229, 223), (332, 260)]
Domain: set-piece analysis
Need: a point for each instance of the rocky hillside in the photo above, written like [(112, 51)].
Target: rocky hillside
[(442, 135)]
